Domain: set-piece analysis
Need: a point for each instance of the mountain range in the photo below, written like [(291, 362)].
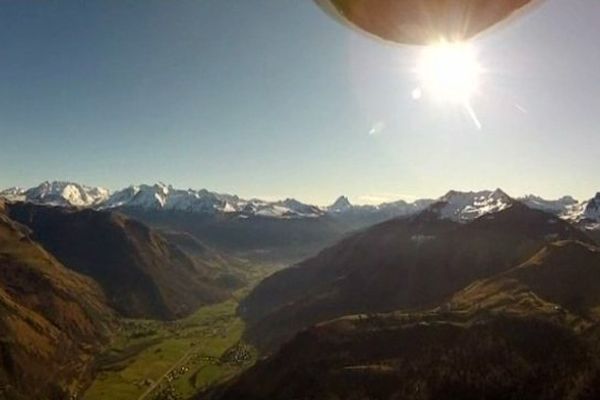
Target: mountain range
[(280, 232), (460, 205), (375, 295), (164, 197), (413, 262)]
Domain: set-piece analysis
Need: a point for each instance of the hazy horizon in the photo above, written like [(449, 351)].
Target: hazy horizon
[(274, 99), (376, 199)]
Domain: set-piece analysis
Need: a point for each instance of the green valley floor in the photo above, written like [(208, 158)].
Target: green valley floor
[(155, 360)]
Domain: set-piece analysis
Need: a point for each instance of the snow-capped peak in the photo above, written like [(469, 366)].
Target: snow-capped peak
[(59, 193), (13, 194), (157, 196), (147, 196), (163, 197), (455, 205), (299, 208), (592, 208), (466, 206), (558, 207), (340, 205)]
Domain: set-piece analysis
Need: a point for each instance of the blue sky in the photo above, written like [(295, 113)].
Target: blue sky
[(272, 98)]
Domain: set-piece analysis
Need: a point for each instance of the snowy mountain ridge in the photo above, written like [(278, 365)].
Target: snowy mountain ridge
[(467, 206), (59, 194), (455, 205)]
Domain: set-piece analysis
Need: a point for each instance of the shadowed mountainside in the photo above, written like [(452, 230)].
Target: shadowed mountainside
[(142, 274), (414, 262), (53, 320), (390, 357), (563, 275), (528, 333)]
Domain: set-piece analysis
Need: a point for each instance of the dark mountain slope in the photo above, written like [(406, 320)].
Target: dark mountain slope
[(527, 333), (53, 320), (426, 358), (142, 274), (405, 263), (563, 275)]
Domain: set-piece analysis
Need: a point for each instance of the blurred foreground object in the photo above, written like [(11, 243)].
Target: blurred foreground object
[(422, 22)]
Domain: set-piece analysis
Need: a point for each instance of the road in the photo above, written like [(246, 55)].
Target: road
[(158, 382)]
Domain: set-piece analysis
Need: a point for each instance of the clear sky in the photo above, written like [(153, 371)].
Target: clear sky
[(272, 98)]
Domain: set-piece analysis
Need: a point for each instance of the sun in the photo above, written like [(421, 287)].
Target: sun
[(449, 72)]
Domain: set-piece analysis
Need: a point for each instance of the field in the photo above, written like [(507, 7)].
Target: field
[(155, 360)]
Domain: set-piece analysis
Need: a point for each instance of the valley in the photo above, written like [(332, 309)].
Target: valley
[(157, 360)]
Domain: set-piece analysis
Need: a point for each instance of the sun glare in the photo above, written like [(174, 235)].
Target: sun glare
[(449, 72)]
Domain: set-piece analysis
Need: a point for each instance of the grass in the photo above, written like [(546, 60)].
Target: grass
[(197, 352)]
